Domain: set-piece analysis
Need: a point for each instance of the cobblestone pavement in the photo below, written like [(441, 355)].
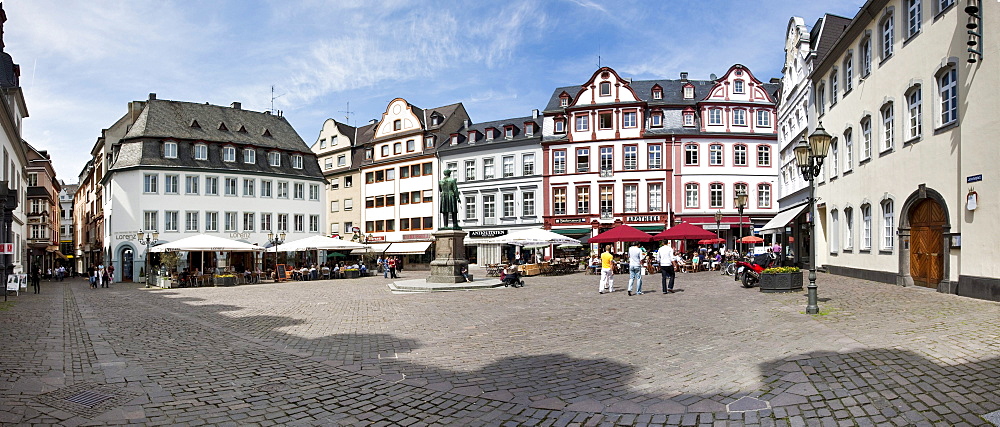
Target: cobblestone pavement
[(348, 352)]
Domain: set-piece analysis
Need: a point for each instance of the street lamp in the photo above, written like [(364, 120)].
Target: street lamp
[(276, 239), (147, 240), (740, 200), (809, 158), (718, 220)]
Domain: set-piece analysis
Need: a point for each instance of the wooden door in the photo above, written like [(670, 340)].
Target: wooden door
[(926, 246)]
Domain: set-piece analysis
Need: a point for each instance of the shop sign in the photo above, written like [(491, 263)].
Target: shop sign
[(642, 218), (487, 233), (571, 220), (6, 248), (416, 237), (239, 235), (128, 235), (375, 239)]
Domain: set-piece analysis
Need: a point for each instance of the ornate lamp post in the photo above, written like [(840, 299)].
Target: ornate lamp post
[(147, 240), (276, 240), (809, 158), (718, 220), (740, 201)]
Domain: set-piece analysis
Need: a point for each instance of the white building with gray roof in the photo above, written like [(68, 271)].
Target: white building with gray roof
[(500, 181), (182, 168)]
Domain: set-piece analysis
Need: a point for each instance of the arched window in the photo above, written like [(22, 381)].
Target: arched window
[(740, 155), (834, 231), (764, 195), (716, 193), (866, 227), (691, 154), (715, 154), (763, 155), (888, 128), (848, 73), (888, 225), (913, 112), (947, 82)]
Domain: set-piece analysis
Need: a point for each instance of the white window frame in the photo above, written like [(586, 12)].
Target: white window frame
[(914, 16), (229, 154), (886, 35), (691, 195), (211, 221), (249, 156), (764, 195), (200, 152), (866, 227), (888, 234), (274, 159), (296, 161), (169, 150), (528, 203), (947, 83), (914, 107), (888, 128)]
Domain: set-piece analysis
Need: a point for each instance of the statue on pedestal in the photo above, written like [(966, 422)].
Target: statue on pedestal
[(449, 201)]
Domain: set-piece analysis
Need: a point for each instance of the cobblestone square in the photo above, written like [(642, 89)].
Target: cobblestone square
[(349, 352)]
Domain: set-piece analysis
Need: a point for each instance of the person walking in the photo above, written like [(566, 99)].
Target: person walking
[(382, 265), (635, 268), (111, 274), (665, 256), (607, 271), (93, 277), (392, 268), (36, 280), (101, 273)]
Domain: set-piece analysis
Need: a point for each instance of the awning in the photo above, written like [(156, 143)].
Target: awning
[(781, 220), (572, 231), (399, 248), (647, 228)]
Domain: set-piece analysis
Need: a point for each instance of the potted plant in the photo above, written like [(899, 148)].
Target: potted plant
[(168, 263), (781, 279), (227, 279)]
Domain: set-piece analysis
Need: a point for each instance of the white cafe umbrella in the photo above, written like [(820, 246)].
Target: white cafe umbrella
[(205, 242), (534, 237)]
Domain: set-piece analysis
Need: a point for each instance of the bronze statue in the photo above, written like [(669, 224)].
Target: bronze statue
[(449, 200)]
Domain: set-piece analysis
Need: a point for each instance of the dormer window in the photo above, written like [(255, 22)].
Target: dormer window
[(429, 141), (737, 86), (397, 124), (369, 153), (200, 152), (297, 161), (249, 155), (170, 150), (689, 118), (274, 159), (605, 88), (266, 134), (242, 129), (563, 102), (508, 132), (229, 154), (194, 124), (436, 120), (322, 143), (454, 139), (472, 137), (222, 127), (560, 126), (688, 92), (489, 134), (529, 129), (656, 119), (657, 93)]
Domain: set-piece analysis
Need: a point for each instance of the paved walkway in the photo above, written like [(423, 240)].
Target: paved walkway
[(552, 353)]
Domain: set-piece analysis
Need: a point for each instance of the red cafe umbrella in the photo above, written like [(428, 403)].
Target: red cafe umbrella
[(684, 231), (621, 233), (711, 241), (751, 239)]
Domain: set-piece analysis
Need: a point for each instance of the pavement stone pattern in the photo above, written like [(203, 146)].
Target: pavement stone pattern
[(349, 352)]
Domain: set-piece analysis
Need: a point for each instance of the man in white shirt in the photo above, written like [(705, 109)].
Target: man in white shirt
[(635, 268), (665, 256)]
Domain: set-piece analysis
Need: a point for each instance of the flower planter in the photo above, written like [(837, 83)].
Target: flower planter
[(781, 282), (225, 281)]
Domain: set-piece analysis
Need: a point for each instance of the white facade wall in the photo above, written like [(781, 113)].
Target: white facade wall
[(425, 185), (933, 163), (127, 203)]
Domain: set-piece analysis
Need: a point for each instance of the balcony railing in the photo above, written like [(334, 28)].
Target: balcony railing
[(607, 173), (607, 215), (489, 221)]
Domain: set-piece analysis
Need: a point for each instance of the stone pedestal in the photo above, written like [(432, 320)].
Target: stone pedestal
[(449, 257)]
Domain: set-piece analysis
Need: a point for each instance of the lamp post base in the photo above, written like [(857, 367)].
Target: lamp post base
[(812, 307)]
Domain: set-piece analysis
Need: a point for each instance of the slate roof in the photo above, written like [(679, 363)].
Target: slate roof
[(825, 33), (673, 93), (142, 144), (173, 119), (518, 123)]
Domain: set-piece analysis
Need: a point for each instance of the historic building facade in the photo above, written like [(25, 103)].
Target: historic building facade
[(909, 96), (183, 168), (43, 211), (400, 172), (732, 151), (652, 153), (803, 48), (13, 110), (500, 181), (67, 245), (339, 157)]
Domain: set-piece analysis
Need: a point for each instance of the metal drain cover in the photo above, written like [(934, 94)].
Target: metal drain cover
[(89, 398)]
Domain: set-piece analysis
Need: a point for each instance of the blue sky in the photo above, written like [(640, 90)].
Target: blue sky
[(83, 61)]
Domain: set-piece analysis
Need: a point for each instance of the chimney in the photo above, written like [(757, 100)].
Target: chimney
[(465, 124), (534, 113), (152, 96), (236, 106), (775, 80), (684, 75)]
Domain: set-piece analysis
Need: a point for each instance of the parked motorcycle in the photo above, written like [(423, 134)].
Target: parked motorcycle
[(749, 272)]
